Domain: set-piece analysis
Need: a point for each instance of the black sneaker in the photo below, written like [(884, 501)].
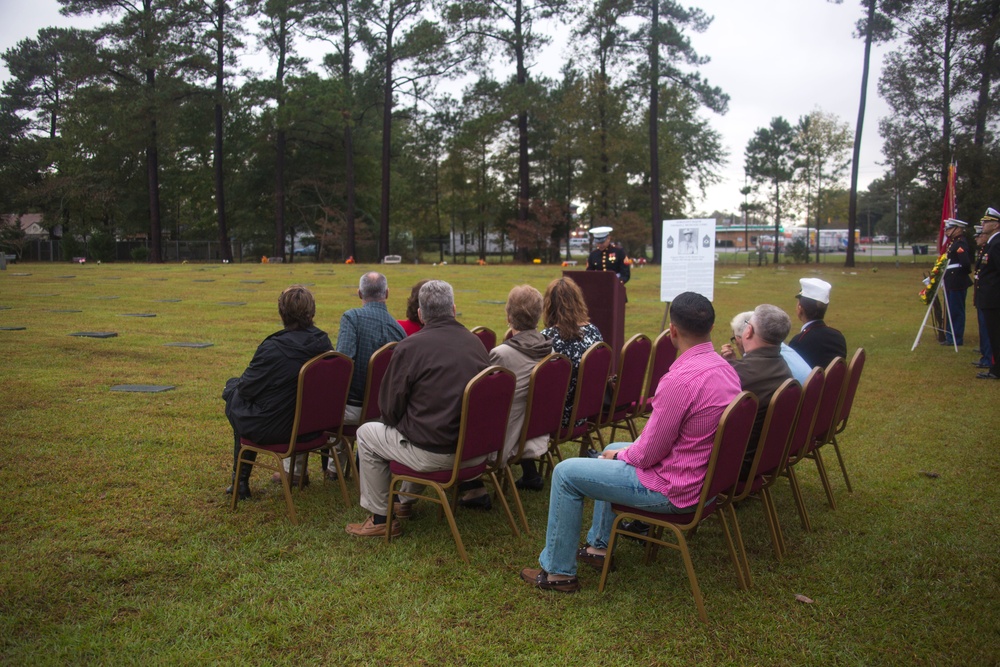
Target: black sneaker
[(635, 527)]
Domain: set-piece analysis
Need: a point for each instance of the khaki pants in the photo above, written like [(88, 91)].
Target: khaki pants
[(379, 444)]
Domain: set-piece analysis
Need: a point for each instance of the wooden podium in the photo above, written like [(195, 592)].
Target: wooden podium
[(605, 298)]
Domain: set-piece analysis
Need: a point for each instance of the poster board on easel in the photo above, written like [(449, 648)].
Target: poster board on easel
[(687, 260)]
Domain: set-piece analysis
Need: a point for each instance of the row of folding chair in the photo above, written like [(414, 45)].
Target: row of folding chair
[(800, 421)]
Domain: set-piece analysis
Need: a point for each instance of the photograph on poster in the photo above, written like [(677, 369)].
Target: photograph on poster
[(688, 258)]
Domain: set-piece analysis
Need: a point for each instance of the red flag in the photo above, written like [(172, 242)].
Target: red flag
[(948, 210)]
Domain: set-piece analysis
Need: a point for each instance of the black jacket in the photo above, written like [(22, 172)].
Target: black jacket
[(988, 296), (960, 259), (260, 404), (819, 344), (612, 258)]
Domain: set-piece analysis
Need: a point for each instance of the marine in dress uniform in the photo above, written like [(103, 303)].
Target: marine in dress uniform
[(985, 351), (608, 256), (988, 297), (956, 280)]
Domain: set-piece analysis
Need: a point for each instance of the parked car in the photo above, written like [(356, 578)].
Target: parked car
[(306, 250)]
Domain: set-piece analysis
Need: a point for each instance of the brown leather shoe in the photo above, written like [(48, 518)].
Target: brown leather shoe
[(540, 579), (294, 481), (370, 529)]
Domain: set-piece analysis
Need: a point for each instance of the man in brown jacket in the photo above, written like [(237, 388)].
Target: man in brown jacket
[(421, 404)]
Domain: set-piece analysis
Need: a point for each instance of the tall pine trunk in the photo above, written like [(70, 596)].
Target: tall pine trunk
[(852, 208)]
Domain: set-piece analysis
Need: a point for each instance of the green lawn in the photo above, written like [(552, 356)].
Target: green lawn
[(118, 546)]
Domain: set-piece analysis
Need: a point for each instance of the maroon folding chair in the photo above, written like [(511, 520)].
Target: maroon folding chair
[(377, 365), (846, 402), (664, 354), (487, 336), (320, 399), (588, 403), (826, 420), (722, 474), (802, 438), (627, 398), (542, 414), (770, 458), (485, 408)]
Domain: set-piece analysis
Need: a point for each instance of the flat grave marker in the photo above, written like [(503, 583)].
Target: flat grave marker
[(138, 315), (13, 328), (197, 346), (95, 334), (232, 303), (143, 388)]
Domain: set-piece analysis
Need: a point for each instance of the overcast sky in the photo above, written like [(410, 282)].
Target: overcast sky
[(773, 58)]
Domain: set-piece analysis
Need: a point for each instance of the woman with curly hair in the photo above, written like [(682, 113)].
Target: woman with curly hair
[(567, 325)]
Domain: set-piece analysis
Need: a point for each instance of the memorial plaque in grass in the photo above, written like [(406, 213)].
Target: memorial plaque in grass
[(138, 314), (193, 345), (5, 307), (65, 310), (143, 388), (20, 275), (65, 276), (111, 277), (253, 282), (167, 300), (13, 328), (95, 334), (232, 303), (204, 280), (43, 295), (493, 302), (105, 298)]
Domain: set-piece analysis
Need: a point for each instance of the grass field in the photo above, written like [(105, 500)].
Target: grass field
[(118, 547)]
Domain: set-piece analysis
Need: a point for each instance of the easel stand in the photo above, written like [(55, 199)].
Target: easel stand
[(666, 311), (949, 326)]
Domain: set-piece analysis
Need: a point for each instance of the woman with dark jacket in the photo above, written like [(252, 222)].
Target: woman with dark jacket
[(260, 404)]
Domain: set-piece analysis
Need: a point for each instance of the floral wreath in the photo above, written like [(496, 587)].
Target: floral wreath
[(931, 281)]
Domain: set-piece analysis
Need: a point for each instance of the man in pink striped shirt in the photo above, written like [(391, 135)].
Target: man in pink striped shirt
[(662, 471)]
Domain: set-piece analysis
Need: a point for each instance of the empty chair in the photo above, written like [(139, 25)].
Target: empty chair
[(320, 400), (844, 411), (721, 476), (626, 402), (826, 420), (485, 408)]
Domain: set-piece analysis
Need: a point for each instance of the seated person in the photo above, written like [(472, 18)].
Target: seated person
[(568, 327), (662, 471), (412, 323), (421, 403), (817, 343), (762, 369), (260, 404), (519, 353)]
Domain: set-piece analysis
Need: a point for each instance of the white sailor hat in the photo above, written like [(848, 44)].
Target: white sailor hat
[(600, 233), (952, 223), (991, 215), (814, 288)]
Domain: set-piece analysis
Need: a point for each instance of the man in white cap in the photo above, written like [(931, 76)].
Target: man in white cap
[(956, 280), (988, 298), (817, 343), (985, 349), (607, 256)]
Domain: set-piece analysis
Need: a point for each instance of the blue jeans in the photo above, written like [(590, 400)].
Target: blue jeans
[(985, 351), (956, 310), (606, 482)]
